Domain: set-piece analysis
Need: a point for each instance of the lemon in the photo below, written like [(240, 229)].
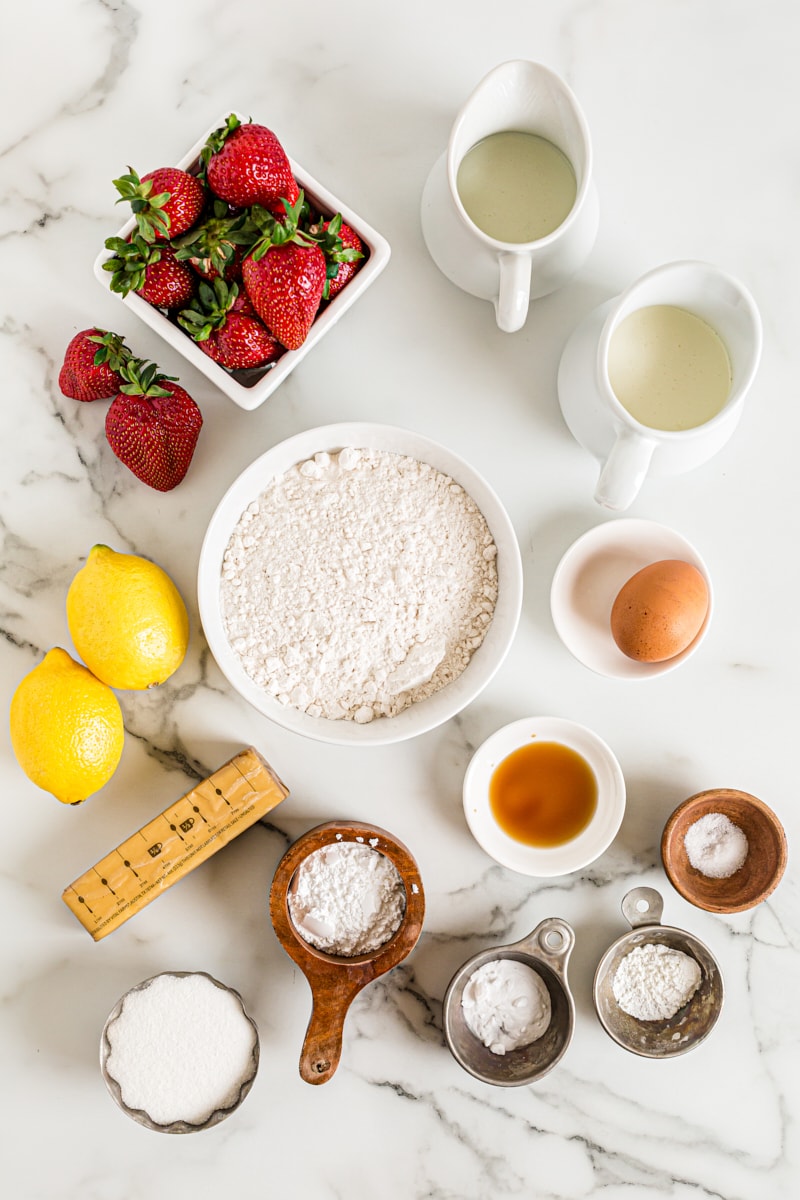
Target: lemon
[(66, 728), (127, 619)]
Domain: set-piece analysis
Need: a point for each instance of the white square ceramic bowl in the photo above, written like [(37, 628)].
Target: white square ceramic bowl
[(251, 397), (420, 717)]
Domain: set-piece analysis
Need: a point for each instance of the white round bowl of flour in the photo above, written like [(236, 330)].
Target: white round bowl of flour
[(359, 584)]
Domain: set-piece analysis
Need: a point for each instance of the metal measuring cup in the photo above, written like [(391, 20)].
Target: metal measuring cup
[(642, 908), (546, 951)]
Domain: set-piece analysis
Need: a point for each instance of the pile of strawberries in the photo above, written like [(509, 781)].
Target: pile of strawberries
[(233, 252), (152, 424)]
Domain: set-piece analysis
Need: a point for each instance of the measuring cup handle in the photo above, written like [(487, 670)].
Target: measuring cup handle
[(511, 305), (624, 470), (322, 1046)]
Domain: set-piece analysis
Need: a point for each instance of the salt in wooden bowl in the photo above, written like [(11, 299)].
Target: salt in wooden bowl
[(761, 871)]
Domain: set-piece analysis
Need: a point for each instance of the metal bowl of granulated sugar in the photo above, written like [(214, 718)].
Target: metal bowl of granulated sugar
[(360, 584), (179, 1052), (658, 990)]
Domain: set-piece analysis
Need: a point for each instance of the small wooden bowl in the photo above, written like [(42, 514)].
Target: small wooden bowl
[(336, 981), (761, 871)]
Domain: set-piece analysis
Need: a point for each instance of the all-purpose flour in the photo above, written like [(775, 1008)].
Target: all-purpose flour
[(358, 583), (653, 982), (347, 898)]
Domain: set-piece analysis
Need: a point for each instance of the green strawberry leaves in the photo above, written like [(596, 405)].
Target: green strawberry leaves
[(151, 220), (111, 350), (143, 378), (129, 262), (210, 309), (214, 243)]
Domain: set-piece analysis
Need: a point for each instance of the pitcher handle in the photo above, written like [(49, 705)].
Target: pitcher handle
[(511, 305), (624, 470)]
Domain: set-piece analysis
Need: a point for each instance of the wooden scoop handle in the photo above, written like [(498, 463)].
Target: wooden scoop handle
[(322, 1047)]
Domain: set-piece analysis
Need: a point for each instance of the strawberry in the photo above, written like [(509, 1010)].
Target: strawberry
[(246, 165), (166, 202), (217, 246), (288, 269), (348, 257), (91, 366), (153, 425), (223, 324), (153, 272), (284, 274)]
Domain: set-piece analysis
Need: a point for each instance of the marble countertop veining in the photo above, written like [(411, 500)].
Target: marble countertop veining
[(692, 108)]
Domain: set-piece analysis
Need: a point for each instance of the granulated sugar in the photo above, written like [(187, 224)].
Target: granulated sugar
[(347, 898), (357, 584), (181, 1048)]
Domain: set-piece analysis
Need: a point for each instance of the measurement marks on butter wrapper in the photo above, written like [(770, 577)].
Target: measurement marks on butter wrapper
[(187, 833)]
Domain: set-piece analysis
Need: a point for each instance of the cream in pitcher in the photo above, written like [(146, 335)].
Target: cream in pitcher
[(516, 187), (509, 211), (668, 368), (653, 382)]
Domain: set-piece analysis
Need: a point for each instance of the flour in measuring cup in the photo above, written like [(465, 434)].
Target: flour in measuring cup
[(358, 583), (654, 981), (347, 899)]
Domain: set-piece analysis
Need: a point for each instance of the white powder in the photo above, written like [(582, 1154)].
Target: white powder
[(347, 898), (506, 1004), (653, 982), (181, 1048), (357, 584), (715, 846)]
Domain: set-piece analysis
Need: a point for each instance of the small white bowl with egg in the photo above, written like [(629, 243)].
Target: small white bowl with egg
[(421, 715), (481, 795), (589, 578)]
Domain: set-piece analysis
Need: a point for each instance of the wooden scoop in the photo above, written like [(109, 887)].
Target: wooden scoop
[(336, 981)]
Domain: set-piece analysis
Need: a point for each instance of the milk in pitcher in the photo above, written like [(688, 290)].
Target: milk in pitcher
[(516, 187)]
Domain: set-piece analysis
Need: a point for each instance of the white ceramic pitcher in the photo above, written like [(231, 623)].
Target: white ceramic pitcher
[(628, 450), (528, 98)]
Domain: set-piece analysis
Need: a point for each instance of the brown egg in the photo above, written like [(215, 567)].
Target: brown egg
[(659, 611)]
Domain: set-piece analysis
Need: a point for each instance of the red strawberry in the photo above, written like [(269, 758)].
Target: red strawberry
[(246, 165), (285, 286), (153, 425), (166, 202), (284, 275), (92, 361), (223, 324), (349, 257), (153, 272), (217, 246)]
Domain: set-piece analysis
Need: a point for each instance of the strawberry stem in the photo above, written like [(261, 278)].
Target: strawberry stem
[(143, 378), (209, 311), (151, 220), (215, 141), (111, 350), (129, 262)]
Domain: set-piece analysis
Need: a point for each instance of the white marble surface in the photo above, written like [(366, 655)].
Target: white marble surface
[(693, 108)]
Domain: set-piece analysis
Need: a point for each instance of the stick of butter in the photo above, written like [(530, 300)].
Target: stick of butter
[(187, 833)]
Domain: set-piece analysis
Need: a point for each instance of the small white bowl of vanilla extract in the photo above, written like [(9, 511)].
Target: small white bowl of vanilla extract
[(544, 796)]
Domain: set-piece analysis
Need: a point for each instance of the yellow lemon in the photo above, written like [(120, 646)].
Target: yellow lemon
[(66, 728), (127, 619)]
